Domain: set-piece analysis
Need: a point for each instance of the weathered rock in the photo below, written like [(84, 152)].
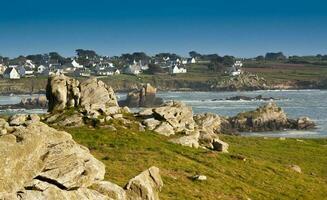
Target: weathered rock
[(151, 123), (96, 95), (208, 122), (295, 168), (62, 92), (145, 186), (75, 120), (165, 129), (177, 114), (111, 190), (23, 119), (42, 153), (304, 123), (191, 140), (93, 98), (219, 145), (145, 97), (199, 178), (266, 118), (45, 164)]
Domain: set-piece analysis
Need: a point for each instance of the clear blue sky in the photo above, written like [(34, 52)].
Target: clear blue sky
[(238, 27)]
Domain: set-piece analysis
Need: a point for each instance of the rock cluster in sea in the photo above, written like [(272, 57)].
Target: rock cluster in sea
[(268, 117), (144, 97)]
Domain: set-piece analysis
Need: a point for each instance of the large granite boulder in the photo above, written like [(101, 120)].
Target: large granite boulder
[(92, 98), (147, 185), (39, 162), (96, 96), (145, 97), (62, 92)]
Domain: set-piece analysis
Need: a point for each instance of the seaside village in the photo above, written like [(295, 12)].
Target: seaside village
[(84, 66)]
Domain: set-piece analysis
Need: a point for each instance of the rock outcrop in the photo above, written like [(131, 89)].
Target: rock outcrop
[(39, 162), (145, 97), (91, 99), (176, 119), (268, 117), (245, 81)]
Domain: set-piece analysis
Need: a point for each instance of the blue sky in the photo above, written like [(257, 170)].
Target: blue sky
[(242, 28)]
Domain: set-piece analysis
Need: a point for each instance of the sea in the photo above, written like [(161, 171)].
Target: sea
[(296, 103)]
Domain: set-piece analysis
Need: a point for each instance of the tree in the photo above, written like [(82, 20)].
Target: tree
[(154, 69), (275, 56), (194, 54), (172, 56), (218, 63), (260, 58), (81, 53)]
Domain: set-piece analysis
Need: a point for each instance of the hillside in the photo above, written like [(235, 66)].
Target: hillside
[(264, 175), (199, 78)]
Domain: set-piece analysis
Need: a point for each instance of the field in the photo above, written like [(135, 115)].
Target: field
[(264, 175), (281, 72)]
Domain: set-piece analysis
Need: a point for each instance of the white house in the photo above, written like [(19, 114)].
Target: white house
[(177, 70), (133, 69), (191, 61), (76, 64), (41, 69), (108, 72), (184, 61), (235, 69), (29, 71), (29, 63), (238, 64), (11, 73)]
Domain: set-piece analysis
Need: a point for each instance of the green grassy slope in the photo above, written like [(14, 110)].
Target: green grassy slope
[(264, 175)]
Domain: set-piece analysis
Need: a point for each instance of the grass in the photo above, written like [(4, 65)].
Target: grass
[(264, 175)]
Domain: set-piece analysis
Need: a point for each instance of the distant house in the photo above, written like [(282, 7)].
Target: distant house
[(29, 64), (82, 72), (41, 69), (133, 69), (11, 73), (108, 72), (191, 60), (67, 68), (29, 71), (177, 70), (76, 64), (235, 69)]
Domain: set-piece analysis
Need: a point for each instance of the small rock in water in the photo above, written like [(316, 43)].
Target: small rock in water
[(296, 168), (199, 177)]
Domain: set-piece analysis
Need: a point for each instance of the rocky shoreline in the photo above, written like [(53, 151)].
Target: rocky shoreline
[(45, 163), (246, 82)]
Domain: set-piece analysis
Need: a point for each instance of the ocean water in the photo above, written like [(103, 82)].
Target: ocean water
[(296, 103), (15, 99)]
